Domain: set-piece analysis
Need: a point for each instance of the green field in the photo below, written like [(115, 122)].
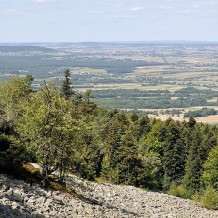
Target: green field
[(109, 68)]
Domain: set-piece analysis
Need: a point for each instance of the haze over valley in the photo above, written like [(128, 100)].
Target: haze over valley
[(160, 78)]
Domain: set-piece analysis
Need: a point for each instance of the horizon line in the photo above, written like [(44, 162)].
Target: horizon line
[(117, 41)]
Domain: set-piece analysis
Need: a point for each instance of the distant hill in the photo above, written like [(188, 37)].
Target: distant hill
[(25, 49)]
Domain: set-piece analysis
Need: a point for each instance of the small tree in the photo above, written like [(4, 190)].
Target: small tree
[(12, 92), (48, 128), (66, 86), (209, 199), (210, 173)]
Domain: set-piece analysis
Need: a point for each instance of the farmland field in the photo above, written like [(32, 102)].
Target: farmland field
[(136, 76)]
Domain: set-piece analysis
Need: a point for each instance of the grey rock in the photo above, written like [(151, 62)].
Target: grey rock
[(5, 187), (3, 194), (97, 200), (41, 200), (17, 196), (10, 192)]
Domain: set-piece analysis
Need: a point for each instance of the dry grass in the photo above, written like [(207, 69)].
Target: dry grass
[(212, 99), (31, 169)]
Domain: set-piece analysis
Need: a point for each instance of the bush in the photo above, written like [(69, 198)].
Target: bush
[(209, 198), (196, 197), (178, 191), (4, 143)]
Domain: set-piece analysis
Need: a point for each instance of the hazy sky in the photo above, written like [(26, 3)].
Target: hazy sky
[(108, 20)]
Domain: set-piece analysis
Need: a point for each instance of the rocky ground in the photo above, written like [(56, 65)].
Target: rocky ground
[(19, 199)]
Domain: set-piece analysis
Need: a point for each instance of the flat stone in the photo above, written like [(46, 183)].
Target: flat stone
[(10, 192), (18, 197)]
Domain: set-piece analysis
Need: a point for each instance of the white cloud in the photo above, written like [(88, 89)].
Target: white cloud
[(136, 9)]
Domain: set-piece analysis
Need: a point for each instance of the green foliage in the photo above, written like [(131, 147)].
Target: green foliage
[(105, 167), (194, 162), (178, 191), (12, 155), (66, 86), (158, 102), (69, 134), (152, 141), (11, 93), (209, 199), (210, 173), (144, 126), (173, 155), (153, 99), (87, 155), (204, 112), (150, 171), (48, 128)]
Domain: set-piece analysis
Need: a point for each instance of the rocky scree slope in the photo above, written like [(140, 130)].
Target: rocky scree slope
[(19, 199)]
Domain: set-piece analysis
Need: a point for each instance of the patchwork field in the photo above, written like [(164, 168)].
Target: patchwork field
[(124, 75)]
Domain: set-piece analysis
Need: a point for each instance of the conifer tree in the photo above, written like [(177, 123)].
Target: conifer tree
[(66, 86), (144, 124), (174, 156), (194, 163)]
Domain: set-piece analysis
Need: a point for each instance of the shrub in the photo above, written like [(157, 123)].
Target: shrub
[(209, 198), (178, 191), (196, 197)]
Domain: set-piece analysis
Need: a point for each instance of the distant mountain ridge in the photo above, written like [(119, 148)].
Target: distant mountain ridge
[(19, 48)]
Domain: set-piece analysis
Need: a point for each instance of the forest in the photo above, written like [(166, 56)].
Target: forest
[(204, 112), (65, 132), (154, 99)]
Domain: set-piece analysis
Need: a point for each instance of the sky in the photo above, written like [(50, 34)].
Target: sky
[(108, 20)]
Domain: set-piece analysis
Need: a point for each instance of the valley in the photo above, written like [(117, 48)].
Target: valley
[(128, 76)]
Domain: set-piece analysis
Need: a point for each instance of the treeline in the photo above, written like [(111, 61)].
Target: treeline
[(204, 112), (127, 93), (46, 62), (190, 90), (161, 102), (66, 132), (154, 99)]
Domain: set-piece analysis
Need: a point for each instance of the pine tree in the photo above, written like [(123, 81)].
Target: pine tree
[(66, 87), (112, 140), (144, 125), (194, 163), (126, 160), (174, 156)]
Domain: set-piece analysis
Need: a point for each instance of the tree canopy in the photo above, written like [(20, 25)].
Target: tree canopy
[(67, 135)]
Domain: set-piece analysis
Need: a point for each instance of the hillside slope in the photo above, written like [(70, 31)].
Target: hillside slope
[(19, 199), (25, 49)]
